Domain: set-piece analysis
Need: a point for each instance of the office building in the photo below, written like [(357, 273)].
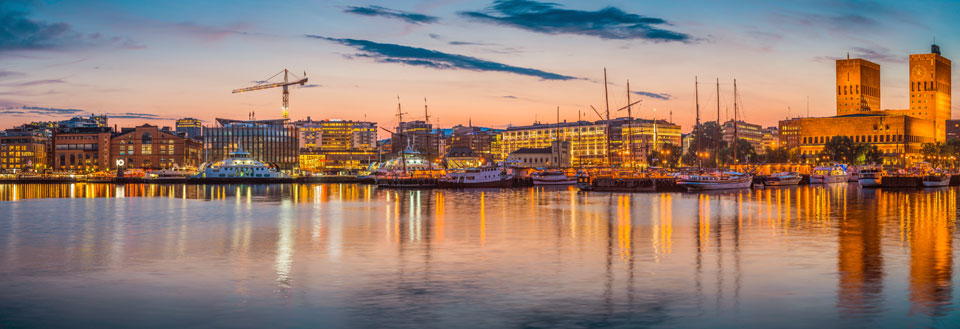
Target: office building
[(192, 128), (274, 142), (148, 147)]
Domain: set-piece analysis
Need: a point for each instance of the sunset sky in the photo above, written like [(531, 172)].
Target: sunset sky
[(495, 62)]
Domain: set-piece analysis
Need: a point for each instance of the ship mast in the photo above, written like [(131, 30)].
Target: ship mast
[(403, 151), (606, 98), (735, 138), (719, 127), (633, 158), (696, 93)]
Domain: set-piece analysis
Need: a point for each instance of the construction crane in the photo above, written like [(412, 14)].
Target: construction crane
[(266, 84)]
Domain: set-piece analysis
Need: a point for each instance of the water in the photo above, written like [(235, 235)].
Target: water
[(322, 256)]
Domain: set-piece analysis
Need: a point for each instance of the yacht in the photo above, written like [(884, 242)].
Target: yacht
[(552, 177), (783, 179), (477, 177), (871, 177), (239, 165), (716, 181), (829, 174)]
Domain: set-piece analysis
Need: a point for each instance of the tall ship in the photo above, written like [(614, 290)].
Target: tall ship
[(836, 173), (871, 177), (239, 166)]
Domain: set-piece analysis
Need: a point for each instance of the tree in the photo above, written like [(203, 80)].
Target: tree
[(777, 155), (745, 153), (873, 155), (667, 156), (839, 149), (711, 136)]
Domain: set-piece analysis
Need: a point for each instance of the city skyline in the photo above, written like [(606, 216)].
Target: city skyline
[(478, 61)]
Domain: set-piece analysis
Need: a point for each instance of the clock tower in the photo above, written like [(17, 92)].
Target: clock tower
[(930, 84)]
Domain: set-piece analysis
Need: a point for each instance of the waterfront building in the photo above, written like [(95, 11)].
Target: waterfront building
[(25, 149), (858, 86), (192, 128), (953, 129), (149, 147), (271, 141), (752, 133), (899, 134), (485, 142), (557, 155), (770, 139), (418, 136), (639, 137), (81, 150), (337, 135), (92, 121), (461, 157)]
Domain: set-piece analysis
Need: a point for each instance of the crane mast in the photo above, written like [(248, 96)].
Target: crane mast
[(285, 84)]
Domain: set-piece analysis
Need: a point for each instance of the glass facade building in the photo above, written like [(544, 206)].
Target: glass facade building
[(271, 141)]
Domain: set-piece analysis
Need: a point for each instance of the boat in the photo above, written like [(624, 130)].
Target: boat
[(936, 179), (171, 174), (583, 181), (871, 177), (829, 174), (715, 181), (477, 177), (552, 177), (239, 166), (783, 179)]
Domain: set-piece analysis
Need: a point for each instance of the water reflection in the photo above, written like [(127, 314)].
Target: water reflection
[(353, 255)]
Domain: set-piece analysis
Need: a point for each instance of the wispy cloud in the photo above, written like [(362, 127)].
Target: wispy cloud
[(20, 32), (393, 53), (135, 115), (10, 74), (510, 97), (409, 17), (550, 18), (38, 111), (311, 85), (35, 83), (874, 54), (660, 96)]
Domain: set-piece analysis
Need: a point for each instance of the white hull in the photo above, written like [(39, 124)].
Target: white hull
[(569, 181), (945, 181), (705, 185), (782, 182), (870, 182), (828, 179)]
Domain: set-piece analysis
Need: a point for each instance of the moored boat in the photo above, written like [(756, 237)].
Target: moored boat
[(477, 177), (716, 181), (238, 166), (871, 177), (552, 177), (936, 180), (783, 179), (829, 174)]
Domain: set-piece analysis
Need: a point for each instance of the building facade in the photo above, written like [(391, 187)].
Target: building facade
[(930, 89), (82, 150), (337, 135), (148, 147), (770, 139), (858, 86), (192, 128), (417, 135), (557, 155), (485, 142), (271, 141), (953, 129), (894, 135), (752, 133), (25, 149)]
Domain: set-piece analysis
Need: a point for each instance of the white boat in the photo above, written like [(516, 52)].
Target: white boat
[(871, 177), (237, 165), (783, 179), (936, 180), (477, 177), (829, 175), (552, 177), (583, 181), (717, 181)]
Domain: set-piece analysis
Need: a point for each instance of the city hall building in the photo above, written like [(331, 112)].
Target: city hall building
[(899, 134)]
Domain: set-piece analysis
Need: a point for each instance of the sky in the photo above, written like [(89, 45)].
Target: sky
[(492, 63)]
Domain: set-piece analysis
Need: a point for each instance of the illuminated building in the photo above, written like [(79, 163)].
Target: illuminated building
[(557, 155), (459, 157), (334, 162), (271, 141), (148, 147), (930, 84), (24, 148), (953, 129), (85, 149), (899, 134), (193, 128), (770, 139), (588, 140), (858, 86), (484, 142), (336, 146), (749, 132), (93, 121), (417, 135)]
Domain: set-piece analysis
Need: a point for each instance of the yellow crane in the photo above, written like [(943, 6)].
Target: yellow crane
[(266, 84)]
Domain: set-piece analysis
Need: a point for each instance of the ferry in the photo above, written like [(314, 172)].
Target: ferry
[(718, 181), (829, 175), (239, 165), (871, 177), (552, 177), (477, 177), (783, 179)]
